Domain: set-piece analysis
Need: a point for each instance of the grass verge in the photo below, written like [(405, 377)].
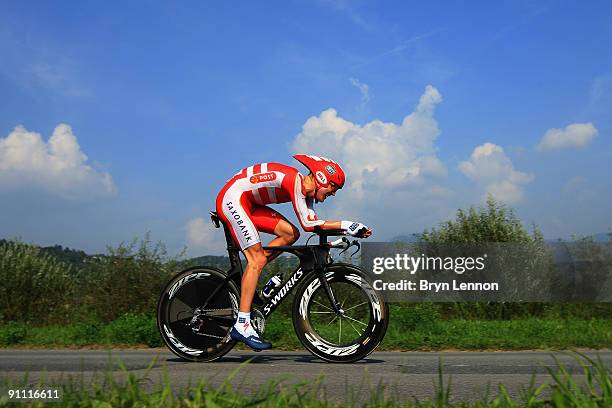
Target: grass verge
[(530, 333), (423, 334)]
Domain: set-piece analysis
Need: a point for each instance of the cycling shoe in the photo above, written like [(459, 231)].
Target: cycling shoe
[(253, 342)]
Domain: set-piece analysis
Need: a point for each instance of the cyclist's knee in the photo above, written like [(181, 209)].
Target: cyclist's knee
[(259, 261), (295, 234), (256, 257), (287, 231)]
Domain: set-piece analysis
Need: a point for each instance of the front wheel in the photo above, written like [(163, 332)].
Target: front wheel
[(350, 335)]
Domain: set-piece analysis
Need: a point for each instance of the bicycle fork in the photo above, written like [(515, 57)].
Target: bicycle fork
[(330, 295), (320, 258)]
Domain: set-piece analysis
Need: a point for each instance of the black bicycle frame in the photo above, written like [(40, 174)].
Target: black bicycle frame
[(313, 258)]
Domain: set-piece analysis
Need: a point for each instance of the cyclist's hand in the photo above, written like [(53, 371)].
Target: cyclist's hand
[(356, 229), (366, 233)]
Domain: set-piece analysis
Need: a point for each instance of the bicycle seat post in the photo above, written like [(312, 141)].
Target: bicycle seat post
[(322, 238)]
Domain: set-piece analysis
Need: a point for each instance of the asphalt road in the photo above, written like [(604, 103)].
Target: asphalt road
[(403, 375)]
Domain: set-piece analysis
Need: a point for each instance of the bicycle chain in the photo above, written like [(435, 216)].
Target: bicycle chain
[(212, 335), (212, 310)]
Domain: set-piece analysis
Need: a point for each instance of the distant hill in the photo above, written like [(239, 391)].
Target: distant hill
[(79, 259), (406, 238), (67, 255), (74, 257), (221, 262), (602, 237)]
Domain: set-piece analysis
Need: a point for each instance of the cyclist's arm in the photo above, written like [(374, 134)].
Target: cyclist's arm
[(337, 225), (303, 208), (308, 219), (331, 225)]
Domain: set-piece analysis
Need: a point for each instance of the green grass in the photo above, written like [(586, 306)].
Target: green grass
[(408, 332), (561, 390), (530, 333), (130, 329)]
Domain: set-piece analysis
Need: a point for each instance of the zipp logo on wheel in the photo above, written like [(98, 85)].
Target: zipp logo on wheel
[(183, 281)]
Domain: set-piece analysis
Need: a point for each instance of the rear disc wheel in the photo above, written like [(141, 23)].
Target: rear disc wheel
[(190, 331)]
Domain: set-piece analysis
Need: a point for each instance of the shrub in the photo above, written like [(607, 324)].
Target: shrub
[(133, 328), (35, 286), (493, 223), (496, 223), (415, 315), (129, 279), (12, 333)]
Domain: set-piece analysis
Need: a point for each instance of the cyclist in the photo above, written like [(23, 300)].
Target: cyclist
[(242, 204)]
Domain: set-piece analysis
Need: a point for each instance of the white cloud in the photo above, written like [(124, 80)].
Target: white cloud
[(578, 188), (392, 168), (363, 89), (60, 76), (345, 6), (57, 167), (378, 155), (600, 96), (573, 136), (398, 49), (489, 167), (202, 235), (601, 88)]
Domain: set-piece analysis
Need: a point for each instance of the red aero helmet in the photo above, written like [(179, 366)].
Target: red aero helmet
[(324, 170)]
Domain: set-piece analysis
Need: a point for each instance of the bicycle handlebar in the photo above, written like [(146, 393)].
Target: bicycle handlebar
[(340, 243), (329, 232), (335, 233)]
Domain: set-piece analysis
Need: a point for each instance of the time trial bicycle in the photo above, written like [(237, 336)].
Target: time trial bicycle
[(337, 314)]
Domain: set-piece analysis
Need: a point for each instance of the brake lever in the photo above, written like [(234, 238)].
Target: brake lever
[(339, 241), (357, 244), (353, 243)]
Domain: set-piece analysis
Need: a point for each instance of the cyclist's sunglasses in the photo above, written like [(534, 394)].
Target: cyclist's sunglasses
[(334, 186)]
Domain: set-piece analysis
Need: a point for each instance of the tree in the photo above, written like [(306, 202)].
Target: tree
[(129, 278), (493, 223), (522, 253), (36, 287)]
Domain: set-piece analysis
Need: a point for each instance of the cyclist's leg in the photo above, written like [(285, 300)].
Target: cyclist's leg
[(236, 212), (256, 260), (243, 328), (272, 222), (286, 234)]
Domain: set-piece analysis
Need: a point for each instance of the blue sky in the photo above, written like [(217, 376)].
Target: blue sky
[(118, 119)]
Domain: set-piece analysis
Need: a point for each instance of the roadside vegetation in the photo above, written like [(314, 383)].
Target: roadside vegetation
[(59, 297), (561, 389), (409, 330)]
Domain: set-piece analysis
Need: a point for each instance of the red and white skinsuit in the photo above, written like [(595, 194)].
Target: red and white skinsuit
[(241, 203)]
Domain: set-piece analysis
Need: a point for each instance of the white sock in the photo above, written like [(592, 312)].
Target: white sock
[(244, 325)]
